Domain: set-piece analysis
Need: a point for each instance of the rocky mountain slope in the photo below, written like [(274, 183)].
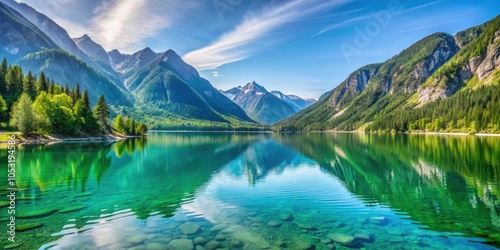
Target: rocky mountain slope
[(259, 104), (176, 87), (297, 102), (19, 36), (441, 83), (376, 89), (92, 49), (163, 89)]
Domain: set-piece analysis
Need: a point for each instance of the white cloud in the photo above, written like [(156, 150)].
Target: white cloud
[(216, 74), (116, 24), (125, 24), (239, 43)]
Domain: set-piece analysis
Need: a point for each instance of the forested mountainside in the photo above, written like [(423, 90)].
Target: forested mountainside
[(440, 83)]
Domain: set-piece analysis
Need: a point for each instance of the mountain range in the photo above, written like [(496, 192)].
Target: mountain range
[(157, 87), (408, 91), (263, 106), (440, 83)]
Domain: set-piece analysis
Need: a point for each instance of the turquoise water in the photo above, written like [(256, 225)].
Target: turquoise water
[(260, 191)]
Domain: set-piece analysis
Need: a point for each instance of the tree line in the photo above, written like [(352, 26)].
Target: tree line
[(36, 104), (469, 110)]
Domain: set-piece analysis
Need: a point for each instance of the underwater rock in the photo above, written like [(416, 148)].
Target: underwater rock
[(280, 243), (274, 223), (212, 245), (306, 226), (155, 246), (200, 241), (303, 245), (343, 239), (71, 209), (36, 214), (28, 226), (217, 228), (396, 239), (363, 237), (190, 228), (220, 237), (4, 203), (379, 220), (285, 216), (181, 244), (137, 239), (236, 243), (13, 245)]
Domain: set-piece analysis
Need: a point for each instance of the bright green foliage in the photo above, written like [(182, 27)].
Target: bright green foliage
[(118, 124), (3, 108), (54, 114), (29, 85), (102, 113), (141, 129), (129, 126), (44, 109), (23, 116), (53, 109)]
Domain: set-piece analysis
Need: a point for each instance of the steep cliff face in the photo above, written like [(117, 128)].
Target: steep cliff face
[(478, 58), (376, 89), (352, 86)]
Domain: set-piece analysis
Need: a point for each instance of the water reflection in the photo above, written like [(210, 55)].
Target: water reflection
[(139, 192), (450, 184)]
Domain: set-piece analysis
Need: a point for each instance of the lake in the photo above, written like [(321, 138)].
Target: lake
[(259, 191)]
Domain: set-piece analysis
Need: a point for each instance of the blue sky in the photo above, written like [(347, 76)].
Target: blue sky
[(302, 47)]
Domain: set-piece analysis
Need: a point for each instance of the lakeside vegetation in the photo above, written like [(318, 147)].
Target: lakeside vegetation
[(37, 105)]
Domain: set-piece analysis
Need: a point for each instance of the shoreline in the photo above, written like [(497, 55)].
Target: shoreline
[(53, 139)]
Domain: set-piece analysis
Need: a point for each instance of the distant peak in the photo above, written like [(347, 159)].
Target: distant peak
[(147, 49), (82, 38), (171, 52), (254, 85), (115, 51)]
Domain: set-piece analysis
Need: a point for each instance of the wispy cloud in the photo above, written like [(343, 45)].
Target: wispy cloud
[(424, 27), (216, 74), (343, 23), (116, 24), (125, 24), (237, 44), (364, 17)]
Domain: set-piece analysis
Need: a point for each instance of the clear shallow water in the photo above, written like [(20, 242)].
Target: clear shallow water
[(261, 191)]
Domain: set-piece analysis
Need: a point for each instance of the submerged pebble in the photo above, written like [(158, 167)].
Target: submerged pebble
[(190, 228)]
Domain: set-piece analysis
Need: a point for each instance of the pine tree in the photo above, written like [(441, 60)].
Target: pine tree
[(14, 81), (66, 90), (78, 93), (29, 85), (51, 88), (3, 108), (42, 84), (86, 99), (102, 112), (4, 67), (90, 122)]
